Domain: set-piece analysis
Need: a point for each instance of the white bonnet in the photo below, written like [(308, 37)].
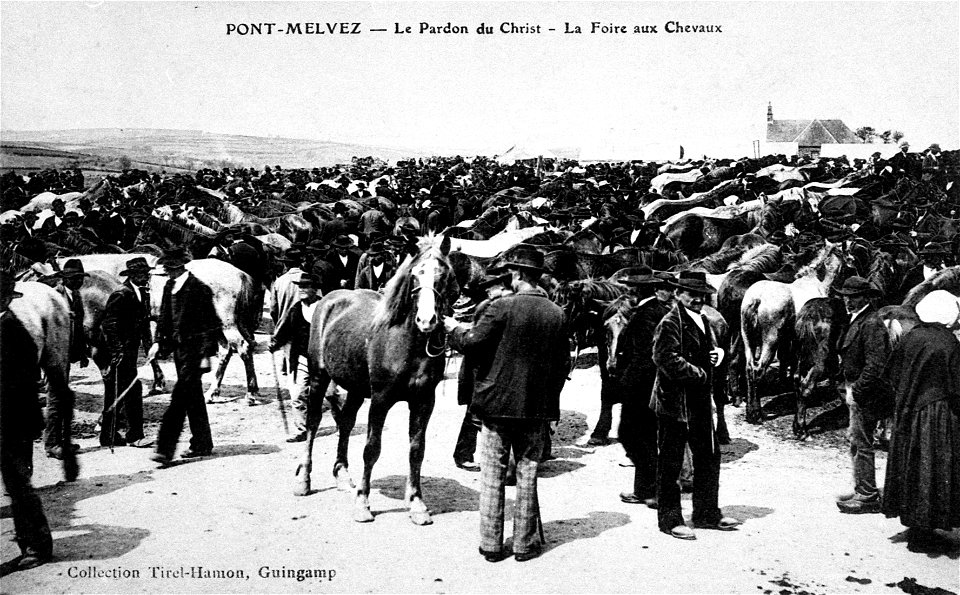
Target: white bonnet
[(939, 306)]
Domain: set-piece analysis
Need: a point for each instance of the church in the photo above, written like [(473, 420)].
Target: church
[(805, 137)]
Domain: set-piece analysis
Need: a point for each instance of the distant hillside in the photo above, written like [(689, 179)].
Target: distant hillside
[(109, 149)]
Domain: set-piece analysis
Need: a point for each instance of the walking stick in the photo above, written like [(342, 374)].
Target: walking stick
[(113, 404), (276, 380)]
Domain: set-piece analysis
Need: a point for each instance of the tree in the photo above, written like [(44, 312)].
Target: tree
[(895, 136), (125, 162), (866, 133)]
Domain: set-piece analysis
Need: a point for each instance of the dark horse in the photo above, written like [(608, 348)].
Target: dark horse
[(389, 348)]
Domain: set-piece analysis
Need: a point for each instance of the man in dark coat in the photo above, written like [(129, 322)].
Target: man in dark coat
[(923, 471), (21, 422), (344, 261), (189, 329), (685, 354), (125, 327), (294, 330), (523, 353), (636, 373), (377, 269), (864, 353)]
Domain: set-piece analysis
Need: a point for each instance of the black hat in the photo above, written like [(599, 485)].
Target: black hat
[(491, 280), (526, 258), (643, 276), (318, 246), (136, 265), (342, 241), (292, 255), (695, 281), (174, 257), (857, 285), (376, 248), (309, 280), (73, 268)]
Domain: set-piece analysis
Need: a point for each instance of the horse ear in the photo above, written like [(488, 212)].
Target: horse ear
[(445, 245)]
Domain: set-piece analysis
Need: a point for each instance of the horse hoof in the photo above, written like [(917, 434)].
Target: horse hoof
[(345, 483), (302, 489), (71, 469), (421, 518), (251, 402), (362, 514)]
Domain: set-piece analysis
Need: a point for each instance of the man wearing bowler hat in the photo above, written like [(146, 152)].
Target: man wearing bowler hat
[(125, 327), (863, 353), (377, 270), (189, 329), (685, 353), (344, 261), (522, 355)]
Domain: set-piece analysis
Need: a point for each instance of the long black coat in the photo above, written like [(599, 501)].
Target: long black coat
[(522, 355), (635, 365), (21, 419), (344, 276), (188, 321), (126, 321), (681, 353), (864, 353)]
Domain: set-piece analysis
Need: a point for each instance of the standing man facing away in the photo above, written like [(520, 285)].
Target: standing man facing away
[(685, 353), (189, 329), (522, 354), (864, 353), (21, 422), (125, 327)]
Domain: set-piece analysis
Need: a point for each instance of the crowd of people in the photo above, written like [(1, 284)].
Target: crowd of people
[(363, 220)]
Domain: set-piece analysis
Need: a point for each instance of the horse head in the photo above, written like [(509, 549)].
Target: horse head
[(433, 283)]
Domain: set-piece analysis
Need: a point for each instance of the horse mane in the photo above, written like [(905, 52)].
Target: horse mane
[(718, 262), (948, 279), (764, 258), (600, 289), (811, 269), (624, 304)]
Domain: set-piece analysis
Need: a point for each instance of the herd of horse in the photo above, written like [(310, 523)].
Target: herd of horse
[(772, 306)]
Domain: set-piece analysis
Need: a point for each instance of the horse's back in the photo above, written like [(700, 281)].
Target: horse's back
[(46, 316)]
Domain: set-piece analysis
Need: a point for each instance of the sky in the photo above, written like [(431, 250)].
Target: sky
[(174, 65)]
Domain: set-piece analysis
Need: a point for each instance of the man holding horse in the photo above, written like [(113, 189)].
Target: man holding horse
[(125, 327), (864, 354), (685, 352), (189, 329), (522, 361)]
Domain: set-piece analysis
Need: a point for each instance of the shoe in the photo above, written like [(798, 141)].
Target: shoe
[(468, 466), (626, 463), (681, 532), (548, 457), (299, 437), (494, 556), (846, 497), (724, 524), (192, 454), (686, 487), (162, 460), (598, 441), (651, 503), (855, 506), (524, 556), (28, 561), (141, 443), (55, 452), (630, 498)]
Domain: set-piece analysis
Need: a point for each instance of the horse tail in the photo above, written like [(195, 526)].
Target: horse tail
[(750, 329), (249, 311)]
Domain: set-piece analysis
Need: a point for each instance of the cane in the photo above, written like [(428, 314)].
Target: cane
[(113, 404), (276, 380)]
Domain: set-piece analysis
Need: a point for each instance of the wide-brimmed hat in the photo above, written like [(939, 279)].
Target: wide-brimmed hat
[(376, 248), (933, 249), (174, 257), (292, 255), (695, 281), (934, 147), (8, 284), (73, 268), (491, 280), (342, 241), (318, 246), (136, 265), (643, 276), (309, 280), (857, 285), (526, 258)]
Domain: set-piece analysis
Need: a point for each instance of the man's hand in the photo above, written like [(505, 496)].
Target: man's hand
[(273, 346), (450, 323), (205, 364), (716, 356), (154, 350)]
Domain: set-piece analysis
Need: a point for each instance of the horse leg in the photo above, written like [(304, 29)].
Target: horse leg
[(314, 400), (213, 393), (738, 373), (379, 407), (419, 418), (346, 419), (159, 381), (253, 389)]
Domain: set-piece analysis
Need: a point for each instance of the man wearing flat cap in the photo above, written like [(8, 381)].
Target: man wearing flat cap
[(864, 353), (125, 328), (522, 356), (685, 353)]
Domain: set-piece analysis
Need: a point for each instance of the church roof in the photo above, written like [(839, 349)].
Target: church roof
[(810, 132)]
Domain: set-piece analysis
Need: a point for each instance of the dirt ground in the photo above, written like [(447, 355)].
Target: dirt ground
[(126, 527)]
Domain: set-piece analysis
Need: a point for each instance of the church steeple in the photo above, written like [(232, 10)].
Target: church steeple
[(769, 112)]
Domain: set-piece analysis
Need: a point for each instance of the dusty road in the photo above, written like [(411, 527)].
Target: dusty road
[(126, 527)]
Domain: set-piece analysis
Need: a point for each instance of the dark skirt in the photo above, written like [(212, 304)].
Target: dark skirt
[(923, 470)]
